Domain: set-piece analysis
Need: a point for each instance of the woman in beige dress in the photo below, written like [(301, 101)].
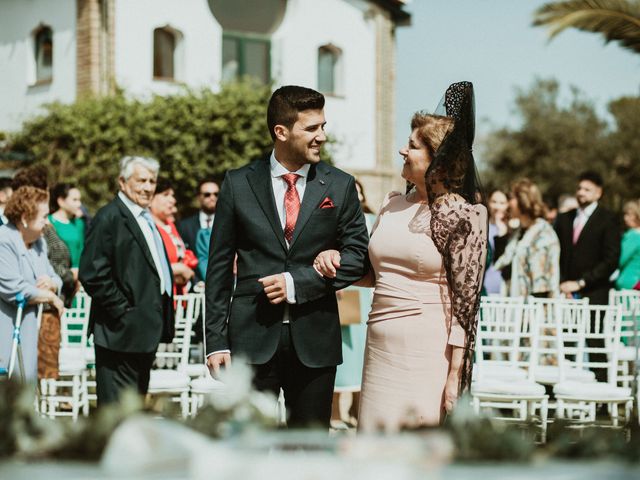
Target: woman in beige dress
[(427, 251)]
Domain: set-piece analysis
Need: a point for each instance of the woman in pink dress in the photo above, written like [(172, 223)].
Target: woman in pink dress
[(427, 252)]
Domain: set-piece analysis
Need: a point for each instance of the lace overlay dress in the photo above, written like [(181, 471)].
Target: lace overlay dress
[(411, 330)]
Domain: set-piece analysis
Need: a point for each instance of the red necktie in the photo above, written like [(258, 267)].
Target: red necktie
[(291, 205)]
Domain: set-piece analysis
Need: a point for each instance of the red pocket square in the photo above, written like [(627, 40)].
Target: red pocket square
[(327, 203)]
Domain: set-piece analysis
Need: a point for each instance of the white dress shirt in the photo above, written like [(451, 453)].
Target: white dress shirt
[(203, 219), (136, 210)]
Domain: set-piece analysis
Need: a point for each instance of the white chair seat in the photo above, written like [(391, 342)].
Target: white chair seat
[(206, 384), (550, 374), (168, 380), (627, 353), (593, 390), (503, 387), (195, 370), (499, 372)]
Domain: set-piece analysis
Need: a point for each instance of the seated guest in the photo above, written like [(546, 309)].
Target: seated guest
[(66, 219), (163, 209), (25, 268), (533, 251), (629, 264)]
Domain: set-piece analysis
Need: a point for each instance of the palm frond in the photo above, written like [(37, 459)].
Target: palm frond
[(616, 20)]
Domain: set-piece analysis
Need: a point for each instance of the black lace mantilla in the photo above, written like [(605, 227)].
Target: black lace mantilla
[(459, 220)]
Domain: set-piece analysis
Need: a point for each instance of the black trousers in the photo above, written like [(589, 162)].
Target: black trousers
[(308, 392), (120, 371)]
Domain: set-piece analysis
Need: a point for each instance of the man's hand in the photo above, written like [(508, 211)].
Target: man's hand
[(569, 287), (327, 262), (215, 361), (275, 287)]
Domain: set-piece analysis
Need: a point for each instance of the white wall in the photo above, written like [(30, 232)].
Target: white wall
[(18, 19), (202, 47), (309, 24)]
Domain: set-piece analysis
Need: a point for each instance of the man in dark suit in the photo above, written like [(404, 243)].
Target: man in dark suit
[(276, 214), (125, 269), (589, 248), (589, 243), (188, 228)]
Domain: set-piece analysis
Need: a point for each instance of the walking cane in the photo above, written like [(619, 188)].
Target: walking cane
[(16, 348)]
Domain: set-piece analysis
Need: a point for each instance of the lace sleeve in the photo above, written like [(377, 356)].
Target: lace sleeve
[(460, 233)]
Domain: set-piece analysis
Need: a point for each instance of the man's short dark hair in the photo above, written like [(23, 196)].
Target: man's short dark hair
[(207, 180), (287, 101), (593, 177)]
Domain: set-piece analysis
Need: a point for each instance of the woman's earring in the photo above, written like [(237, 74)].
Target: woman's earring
[(24, 224)]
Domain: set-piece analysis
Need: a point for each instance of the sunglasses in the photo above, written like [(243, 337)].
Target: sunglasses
[(209, 194)]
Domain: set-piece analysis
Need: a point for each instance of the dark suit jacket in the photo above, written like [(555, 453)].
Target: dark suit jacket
[(247, 223), (188, 230), (594, 257), (128, 312)]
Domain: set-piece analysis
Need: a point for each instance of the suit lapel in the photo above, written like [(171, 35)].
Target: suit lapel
[(260, 182), (134, 228), (314, 192)]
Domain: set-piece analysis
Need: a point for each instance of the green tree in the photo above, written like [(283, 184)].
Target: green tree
[(192, 134), (616, 20), (553, 144), (624, 142)]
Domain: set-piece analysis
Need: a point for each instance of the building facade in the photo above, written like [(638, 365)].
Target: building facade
[(60, 50)]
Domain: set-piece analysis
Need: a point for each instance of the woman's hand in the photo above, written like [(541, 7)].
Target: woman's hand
[(451, 392), (181, 273), (45, 282), (57, 304), (327, 262)]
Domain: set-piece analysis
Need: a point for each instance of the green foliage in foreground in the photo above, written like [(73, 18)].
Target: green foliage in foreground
[(193, 134)]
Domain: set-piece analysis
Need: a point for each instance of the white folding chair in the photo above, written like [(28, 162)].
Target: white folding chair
[(506, 343), (67, 395), (576, 336), (168, 376), (629, 301), (547, 370)]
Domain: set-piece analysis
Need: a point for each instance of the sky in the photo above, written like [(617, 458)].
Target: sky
[(492, 44)]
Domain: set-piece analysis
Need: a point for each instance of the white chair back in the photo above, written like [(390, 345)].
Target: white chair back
[(501, 299), (629, 301), (507, 336), (547, 322), (575, 327), (175, 355), (74, 322)]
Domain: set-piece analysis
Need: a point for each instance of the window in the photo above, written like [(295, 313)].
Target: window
[(166, 53), (244, 54), (329, 69), (43, 54)]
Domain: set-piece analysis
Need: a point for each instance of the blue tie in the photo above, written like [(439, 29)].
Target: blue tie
[(160, 249)]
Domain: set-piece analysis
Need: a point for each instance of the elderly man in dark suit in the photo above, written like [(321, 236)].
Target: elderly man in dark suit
[(276, 214), (589, 249), (125, 269)]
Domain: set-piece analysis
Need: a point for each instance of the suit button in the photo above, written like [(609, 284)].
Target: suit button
[(159, 308)]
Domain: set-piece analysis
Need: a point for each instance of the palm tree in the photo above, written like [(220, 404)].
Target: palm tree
[(617, 20)]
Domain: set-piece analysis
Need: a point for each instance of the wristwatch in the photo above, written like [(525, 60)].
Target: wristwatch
[(581, 283)]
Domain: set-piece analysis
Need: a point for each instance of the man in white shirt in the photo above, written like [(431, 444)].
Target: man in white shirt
[(125, 269), (589, 248), (188, 228), (276, 214)]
